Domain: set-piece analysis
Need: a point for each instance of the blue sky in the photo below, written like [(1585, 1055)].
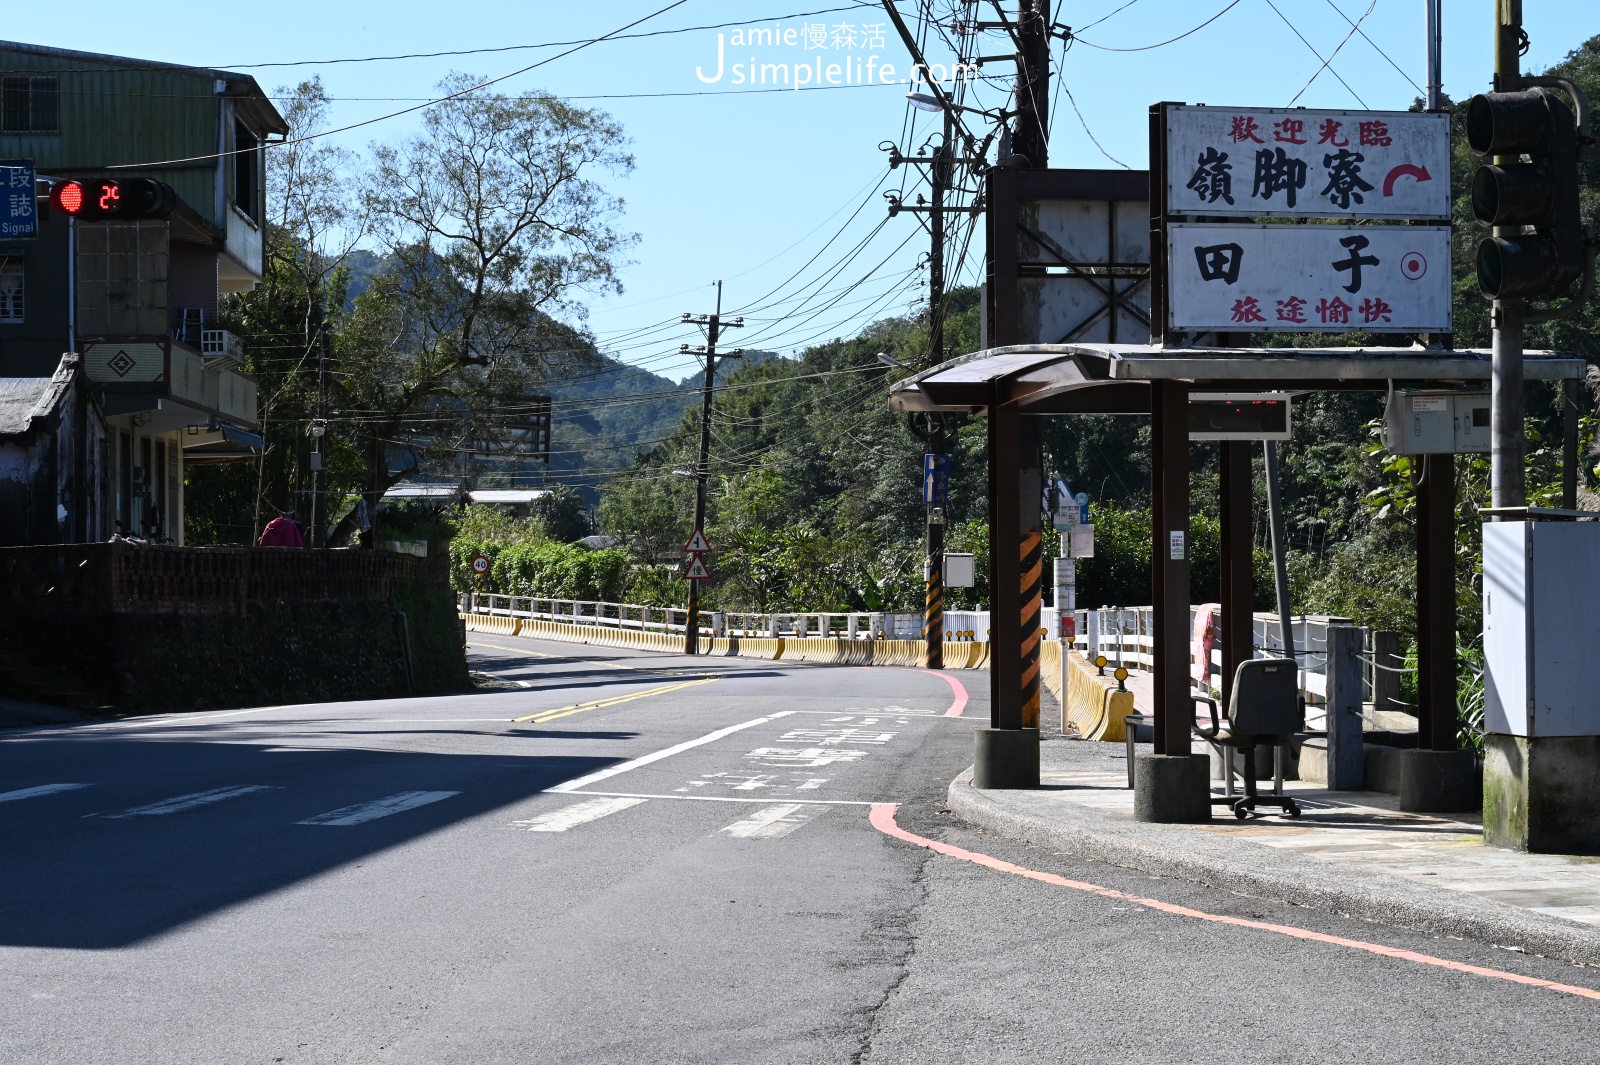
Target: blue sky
[(748, 186)]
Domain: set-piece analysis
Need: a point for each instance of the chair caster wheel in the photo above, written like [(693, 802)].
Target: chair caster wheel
[(1292, 809), (1240, 812)]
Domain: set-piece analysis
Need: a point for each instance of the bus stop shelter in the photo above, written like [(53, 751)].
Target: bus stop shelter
[(1010, 386)]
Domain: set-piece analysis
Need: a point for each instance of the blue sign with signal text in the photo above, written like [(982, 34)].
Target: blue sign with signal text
[(935, 480), (19, 210)]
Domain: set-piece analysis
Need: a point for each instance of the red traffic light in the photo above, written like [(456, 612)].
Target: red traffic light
[(68, 197), (110, 198)]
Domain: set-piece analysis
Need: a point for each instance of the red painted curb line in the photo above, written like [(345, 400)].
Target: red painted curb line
[(883, 819), (960, 705)]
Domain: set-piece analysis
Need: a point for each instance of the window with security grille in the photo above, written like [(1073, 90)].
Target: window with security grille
[(30, 104), (11, 291)]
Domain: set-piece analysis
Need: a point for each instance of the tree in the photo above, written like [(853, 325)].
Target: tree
[(312, 225), (493, 222)]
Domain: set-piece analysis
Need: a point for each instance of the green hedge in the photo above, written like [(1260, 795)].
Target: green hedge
[(547, 570)]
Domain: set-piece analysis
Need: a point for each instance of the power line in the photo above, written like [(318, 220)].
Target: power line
[(1354, 26), (408, 110), (1170, 40), (1314, 52)]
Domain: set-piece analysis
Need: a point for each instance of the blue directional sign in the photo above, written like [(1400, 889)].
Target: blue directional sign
[(19, 211), (1082, 499), (935, 480)]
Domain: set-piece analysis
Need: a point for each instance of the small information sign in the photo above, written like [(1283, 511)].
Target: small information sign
[(19, 208)]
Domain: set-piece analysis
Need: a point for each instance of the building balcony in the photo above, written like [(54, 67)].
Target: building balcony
[(159, 373)]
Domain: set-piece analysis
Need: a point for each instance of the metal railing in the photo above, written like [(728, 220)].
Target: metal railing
[(641, 618)]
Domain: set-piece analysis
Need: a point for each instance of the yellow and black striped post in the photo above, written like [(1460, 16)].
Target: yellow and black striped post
[(1031, 600), (933, 604)]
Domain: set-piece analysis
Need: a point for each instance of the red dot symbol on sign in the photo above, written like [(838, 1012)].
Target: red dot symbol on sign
[(1413, 265)]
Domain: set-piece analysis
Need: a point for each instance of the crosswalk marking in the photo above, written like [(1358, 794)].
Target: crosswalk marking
[(179, 803), (42, 789), (371, 811), (577, 814), (772, 821)]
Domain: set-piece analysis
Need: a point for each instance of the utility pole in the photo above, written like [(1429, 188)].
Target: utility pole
[(1507, 470), (1030, 137), (713, 325), (319, 490), (933, 601)]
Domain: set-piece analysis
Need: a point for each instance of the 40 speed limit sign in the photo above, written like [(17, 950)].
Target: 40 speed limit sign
[(480, 565)]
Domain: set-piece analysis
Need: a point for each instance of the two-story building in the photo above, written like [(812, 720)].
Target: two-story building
[(135, 300)]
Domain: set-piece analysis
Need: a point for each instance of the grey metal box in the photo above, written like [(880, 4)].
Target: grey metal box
[(1436, 423), (1541, 610), (958, 570)]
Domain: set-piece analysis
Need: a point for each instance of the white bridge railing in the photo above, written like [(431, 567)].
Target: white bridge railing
[(1125, 635), (963, 625)]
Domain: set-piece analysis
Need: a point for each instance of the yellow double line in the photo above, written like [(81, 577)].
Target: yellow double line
[(595, 704)]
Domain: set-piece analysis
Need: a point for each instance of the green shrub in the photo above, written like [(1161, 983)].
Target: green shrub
[(559, 571)]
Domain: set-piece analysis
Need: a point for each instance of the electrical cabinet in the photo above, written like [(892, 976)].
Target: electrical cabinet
[(958, 570), (1541, 610), (1436, 423)]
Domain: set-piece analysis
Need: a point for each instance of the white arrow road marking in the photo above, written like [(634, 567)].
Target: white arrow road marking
[(371, 811), (577, 814), (773, 821), (179, 803), (42, 789)]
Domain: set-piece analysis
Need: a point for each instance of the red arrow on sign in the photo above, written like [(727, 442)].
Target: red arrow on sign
[(1418, 172)]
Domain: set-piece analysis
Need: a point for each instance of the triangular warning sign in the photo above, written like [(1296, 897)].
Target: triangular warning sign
[(696, 570), (697, 544)]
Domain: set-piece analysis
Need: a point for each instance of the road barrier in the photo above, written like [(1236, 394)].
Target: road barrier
[(815, 649)]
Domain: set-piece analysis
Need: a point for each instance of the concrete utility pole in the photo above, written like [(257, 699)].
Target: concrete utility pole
[(938, 441), (713, 325), (1507, 468), (319, 490)]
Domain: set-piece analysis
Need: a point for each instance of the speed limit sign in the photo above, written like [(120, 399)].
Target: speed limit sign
[(480, 564)]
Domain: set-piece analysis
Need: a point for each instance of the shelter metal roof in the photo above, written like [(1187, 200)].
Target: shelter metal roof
[(505, 495), (1115, 378)]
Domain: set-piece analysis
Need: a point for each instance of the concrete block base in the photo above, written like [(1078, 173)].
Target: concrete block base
[(1171, 788), (1006, 758), (1440, 781), (1542, 793)]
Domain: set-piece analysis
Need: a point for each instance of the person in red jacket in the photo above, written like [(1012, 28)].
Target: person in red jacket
[(281, 532)]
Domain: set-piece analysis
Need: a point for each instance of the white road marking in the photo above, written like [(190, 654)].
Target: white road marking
[(807, 758), (772, 822), (371, 811), (42, 789), (710, 737), (577, 814), (727, 798), (180, 803)]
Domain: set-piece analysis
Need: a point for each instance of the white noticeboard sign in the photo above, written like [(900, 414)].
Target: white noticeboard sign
[(1301, 279), (1256, 162)]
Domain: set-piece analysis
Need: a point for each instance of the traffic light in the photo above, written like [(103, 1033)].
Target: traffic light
[(100, 198), (1542, 193)]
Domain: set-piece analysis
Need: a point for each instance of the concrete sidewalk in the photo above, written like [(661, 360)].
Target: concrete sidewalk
[(1352, 853)]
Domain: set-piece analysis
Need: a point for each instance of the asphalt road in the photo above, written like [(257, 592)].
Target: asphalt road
[(620, 858)]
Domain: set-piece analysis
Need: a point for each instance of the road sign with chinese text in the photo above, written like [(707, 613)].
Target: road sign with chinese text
[(1257, 162), (696, 569), (1302, 279), (19, 207)]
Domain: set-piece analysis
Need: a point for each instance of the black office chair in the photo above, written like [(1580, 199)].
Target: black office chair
[(1265, 708)]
